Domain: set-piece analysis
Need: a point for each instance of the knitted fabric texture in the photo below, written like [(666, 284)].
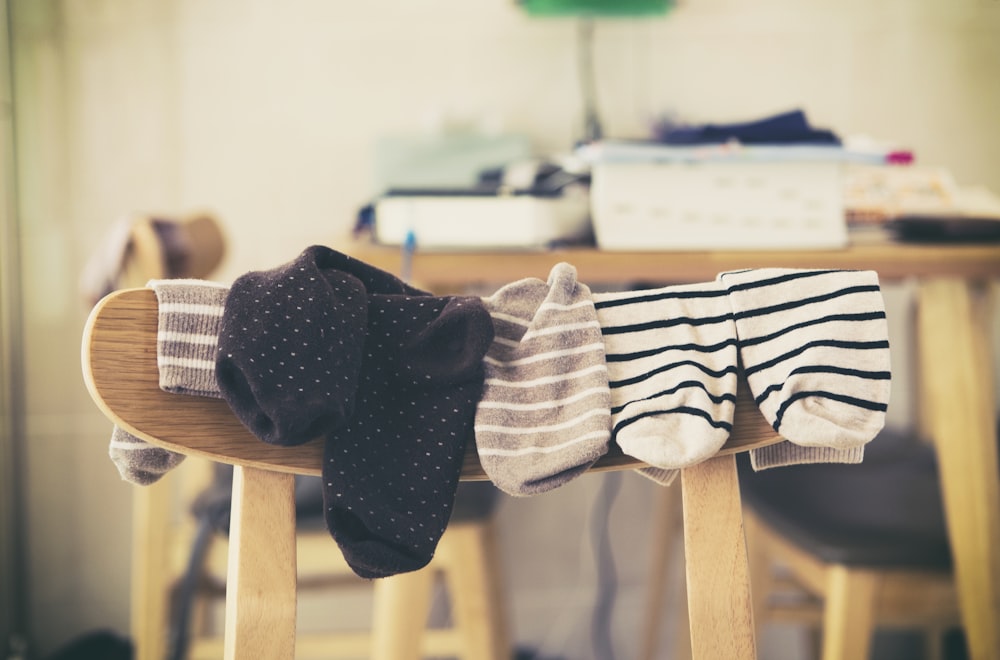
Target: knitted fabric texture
[(390, 475), (388, 375), (815, 351), (544, 416), (290, 343), (138, 461), (189, 314), (672, 364)]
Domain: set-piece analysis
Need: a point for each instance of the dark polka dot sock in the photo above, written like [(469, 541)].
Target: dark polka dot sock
[(815, 351), (391, 473), (290, 343)]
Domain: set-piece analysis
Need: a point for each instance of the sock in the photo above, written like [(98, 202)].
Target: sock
[(188, 320), (786, 453), (390, 474), (187, 337), (544, 416), (671, 355), (290, 343), (138, 461), (815, 351)]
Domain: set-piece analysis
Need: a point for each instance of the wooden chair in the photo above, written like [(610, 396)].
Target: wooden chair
[(848, 548), (119, 365), (162, 541)]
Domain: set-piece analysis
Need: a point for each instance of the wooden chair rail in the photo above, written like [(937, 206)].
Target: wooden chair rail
[(119, 365)]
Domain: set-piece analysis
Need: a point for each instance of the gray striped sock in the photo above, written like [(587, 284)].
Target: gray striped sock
[(543, 417), (139, 462), (187, 338), (671, 356), (814, 348)]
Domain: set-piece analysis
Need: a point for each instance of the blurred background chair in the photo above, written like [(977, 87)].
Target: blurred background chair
[(846, 549)]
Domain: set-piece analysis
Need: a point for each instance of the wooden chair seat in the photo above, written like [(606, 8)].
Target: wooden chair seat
[(119, 365)]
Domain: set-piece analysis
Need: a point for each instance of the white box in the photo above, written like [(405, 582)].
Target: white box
[(724, 203), (517, 221)]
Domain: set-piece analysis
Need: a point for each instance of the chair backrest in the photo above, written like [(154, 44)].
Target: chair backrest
[(119, 367)]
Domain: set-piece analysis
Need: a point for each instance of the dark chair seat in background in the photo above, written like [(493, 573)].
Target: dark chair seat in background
[(884, 512)]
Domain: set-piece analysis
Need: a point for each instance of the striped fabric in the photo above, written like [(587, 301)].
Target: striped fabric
[(187, 337), (543, 418), (814, 348), (139, 462), (190, 312), (671, 355)]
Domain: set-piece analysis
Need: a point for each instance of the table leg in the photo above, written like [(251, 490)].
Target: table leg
[(956, 359)]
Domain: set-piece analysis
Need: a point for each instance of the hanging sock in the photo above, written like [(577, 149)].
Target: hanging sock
[(290, 343), (390, 474), (544, 416), (189, 315), (671, 356), (815, 351)]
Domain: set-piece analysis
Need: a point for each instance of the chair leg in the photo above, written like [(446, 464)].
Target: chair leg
[(151, 578), (934, 642), (402, 605), (261, 578), (761, 573), (718, 577), (474, 585), (849, 610), (666, 525)]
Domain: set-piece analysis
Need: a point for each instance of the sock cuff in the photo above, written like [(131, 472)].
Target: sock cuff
[(762, 295), (786, 453), (753, 278), (660, 476), (187, 337)]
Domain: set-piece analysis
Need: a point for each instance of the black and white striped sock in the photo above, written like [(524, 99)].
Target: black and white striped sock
[(814, 348), (187, 336), (672, 369)]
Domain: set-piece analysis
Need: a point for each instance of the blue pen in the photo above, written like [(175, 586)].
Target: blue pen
[(409, 247)]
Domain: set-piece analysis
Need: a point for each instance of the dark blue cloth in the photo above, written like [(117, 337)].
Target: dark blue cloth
[(786, 128)]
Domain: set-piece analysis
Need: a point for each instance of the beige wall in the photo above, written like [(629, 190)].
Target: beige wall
[(267, 111)]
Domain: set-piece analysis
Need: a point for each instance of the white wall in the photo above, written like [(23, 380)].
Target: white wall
[(267, 112)]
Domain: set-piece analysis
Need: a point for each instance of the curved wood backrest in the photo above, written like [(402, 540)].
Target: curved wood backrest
[(119, 368)]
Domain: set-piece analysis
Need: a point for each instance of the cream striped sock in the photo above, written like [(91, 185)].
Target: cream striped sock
[(543, 417), (815, 351), (671, 355), (190, 312)]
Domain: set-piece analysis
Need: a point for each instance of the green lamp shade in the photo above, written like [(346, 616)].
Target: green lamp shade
[(595, 7)]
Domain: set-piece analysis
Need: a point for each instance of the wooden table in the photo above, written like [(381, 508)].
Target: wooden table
[(955, 355)]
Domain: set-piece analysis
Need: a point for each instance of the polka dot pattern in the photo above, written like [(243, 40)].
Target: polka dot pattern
[(290, 350), (330, 346), (391, 474)]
